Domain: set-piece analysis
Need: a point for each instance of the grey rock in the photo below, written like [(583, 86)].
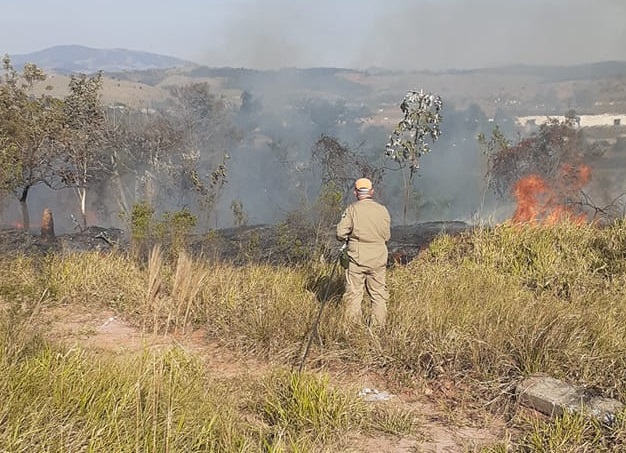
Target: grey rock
[(554, 397)]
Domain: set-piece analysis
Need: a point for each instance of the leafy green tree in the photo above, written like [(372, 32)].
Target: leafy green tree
[(29, 132), (10, 166), (409, 140)]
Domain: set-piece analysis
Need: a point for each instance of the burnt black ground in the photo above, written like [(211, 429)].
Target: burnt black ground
[(257, 243)]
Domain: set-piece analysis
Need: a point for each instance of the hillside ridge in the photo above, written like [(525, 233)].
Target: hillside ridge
[(70, 58)]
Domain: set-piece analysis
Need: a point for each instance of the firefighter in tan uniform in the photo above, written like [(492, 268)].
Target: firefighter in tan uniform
[(366, 226)]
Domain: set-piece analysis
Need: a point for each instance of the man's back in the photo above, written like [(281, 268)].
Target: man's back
[(371, 222), (367, 226)]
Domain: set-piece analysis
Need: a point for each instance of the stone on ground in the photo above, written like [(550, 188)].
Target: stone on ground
[(553, 397)]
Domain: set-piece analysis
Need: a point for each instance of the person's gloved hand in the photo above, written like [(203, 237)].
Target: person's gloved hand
[(344, 259)]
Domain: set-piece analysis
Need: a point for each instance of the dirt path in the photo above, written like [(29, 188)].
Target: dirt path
[(104, 330)]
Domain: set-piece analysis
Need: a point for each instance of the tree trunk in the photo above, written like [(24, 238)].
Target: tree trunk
[(83, 211), (122, 199), (24, 207), (405, 196)]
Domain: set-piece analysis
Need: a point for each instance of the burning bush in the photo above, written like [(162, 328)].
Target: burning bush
[(545, 173)]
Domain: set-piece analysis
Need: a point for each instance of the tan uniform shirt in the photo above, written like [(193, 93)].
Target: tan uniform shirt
[(366, 225)]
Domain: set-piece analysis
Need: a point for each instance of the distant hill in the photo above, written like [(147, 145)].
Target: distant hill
[(561, 73), (140, 78), (67, 59), (79, 59)]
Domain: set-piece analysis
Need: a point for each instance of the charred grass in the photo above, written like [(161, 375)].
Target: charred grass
[(468, 319)]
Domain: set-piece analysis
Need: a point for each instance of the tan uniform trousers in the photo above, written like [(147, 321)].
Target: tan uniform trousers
[(374, 281)]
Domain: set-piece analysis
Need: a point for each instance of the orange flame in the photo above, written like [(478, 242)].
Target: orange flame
[(529, 191), (538, 201)]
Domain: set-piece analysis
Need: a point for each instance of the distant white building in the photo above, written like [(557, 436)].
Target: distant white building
[(606, 119)]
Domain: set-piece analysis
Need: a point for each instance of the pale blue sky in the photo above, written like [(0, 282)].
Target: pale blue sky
[(396, 34)]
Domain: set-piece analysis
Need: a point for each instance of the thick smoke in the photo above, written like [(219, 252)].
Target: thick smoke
[(419, 35), (270, 34), (461, 34), (270, 171)]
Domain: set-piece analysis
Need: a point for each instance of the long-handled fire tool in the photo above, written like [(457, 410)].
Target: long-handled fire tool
[(313, 332)]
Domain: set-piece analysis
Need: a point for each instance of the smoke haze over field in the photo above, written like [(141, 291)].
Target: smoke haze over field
[(402, 34), (270, 171)]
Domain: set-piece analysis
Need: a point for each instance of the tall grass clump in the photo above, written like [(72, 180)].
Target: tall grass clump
[(20, 277), (57, 399), (498, 304), (563, 259), (260, 308), (304, 410), (22, 298), (569, 432), (68, 400), (478, 312), (19, 334), (171, 298), (308, 405), (111, 280)]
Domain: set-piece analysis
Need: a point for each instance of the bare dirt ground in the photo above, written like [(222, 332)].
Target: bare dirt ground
[(104, 330)]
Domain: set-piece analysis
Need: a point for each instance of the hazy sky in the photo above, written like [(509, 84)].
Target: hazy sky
[(396, 34)]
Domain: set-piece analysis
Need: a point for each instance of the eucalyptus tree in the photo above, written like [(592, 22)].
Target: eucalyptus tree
[(83, 117), (29, 132), (409, 141)]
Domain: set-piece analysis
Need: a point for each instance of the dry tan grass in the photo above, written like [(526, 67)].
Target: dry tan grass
[(468, 318)]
